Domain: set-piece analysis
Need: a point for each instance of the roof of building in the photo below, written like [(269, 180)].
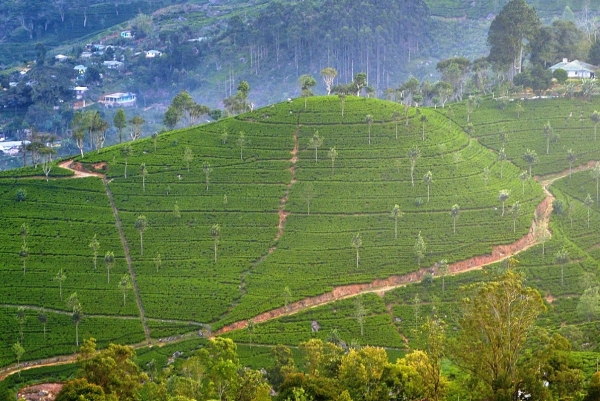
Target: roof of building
[(117, 94), (574, 65), (80, 67)]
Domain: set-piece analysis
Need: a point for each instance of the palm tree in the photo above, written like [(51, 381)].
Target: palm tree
[(454, 212), (423, 121), (595, 119), (158, 261), (503, 196), (548, 134), (141, 223), (396, 213), (60, 277), (21, 317), (144, 174), (73, 303), (588, 202), (369, 119), (18, 350), (43, 318), (215, 233), (315, 142), (287, 296), (309, 192), (188, 156), (396, 117), (523, 177), (595, 173), (515, 211), (360, 313), (24, 254), (519, 109), (571, 158), (501, 158), (413, 154), (562, 258), (136, 127), (24, 232), (342, 97), (332, 155), (428, 179), (420, 248), (125, 285), (241, 143), (357, 243), (95, 245), (443, 270), (530, 157), (126, 152), (207, 170), (77, 318), (542, 235), (109, 260), (486, 175)]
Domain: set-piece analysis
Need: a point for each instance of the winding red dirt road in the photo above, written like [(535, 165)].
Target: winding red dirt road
[(380, 286)]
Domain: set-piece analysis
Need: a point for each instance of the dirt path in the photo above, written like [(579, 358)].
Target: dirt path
[(80, 172), (282, 216), (138, 299), (381, 286)]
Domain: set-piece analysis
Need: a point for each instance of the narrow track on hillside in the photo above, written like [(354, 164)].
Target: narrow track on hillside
[(381, 286), (103, 315), (138, 299), (79, 172), (282, 216)]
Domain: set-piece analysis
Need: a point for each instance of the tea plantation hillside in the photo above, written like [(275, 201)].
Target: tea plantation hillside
[(218, 223), (562, 283)]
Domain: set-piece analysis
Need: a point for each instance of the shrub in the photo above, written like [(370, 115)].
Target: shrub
[(560, 75), (21, 195), (558, 207)]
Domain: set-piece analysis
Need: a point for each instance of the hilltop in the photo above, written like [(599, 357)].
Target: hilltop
[(270, 251)]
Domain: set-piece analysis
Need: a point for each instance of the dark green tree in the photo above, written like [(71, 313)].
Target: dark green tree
[(516, 23), (120, 122)]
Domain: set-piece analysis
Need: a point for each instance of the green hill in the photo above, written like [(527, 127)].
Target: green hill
[(270, 251)]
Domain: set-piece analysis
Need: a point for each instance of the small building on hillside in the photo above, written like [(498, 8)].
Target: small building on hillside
[(80, 91), (119, 99), (81, 69), (112, 64), (153, 53), (576, 68), (126, 35), (61, 57)]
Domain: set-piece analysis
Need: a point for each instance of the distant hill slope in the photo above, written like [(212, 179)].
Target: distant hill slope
[(259, 189)]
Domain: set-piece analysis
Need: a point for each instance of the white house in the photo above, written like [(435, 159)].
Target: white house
[(576, 68), (153, 53), (86, 55), (60, 57), (112, 64), (80, 91), (81, 69), (126, 35), (118, 99)]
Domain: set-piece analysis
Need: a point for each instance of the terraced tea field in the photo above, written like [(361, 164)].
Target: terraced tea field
[(287, 209)]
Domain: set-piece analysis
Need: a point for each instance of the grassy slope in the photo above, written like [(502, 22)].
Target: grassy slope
[(314, 252)]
